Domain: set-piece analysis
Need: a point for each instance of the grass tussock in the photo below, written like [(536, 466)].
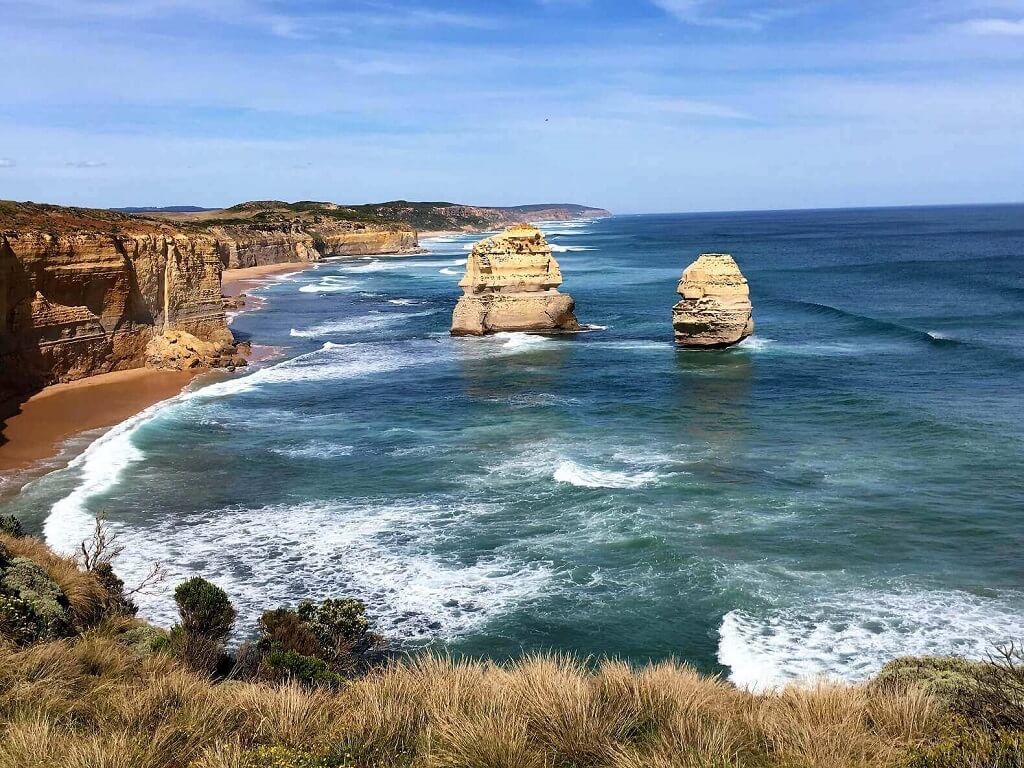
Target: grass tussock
[(96, 701)]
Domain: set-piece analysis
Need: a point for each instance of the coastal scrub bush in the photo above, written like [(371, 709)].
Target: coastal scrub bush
[(313, 644), (11, 525), (204, 608)]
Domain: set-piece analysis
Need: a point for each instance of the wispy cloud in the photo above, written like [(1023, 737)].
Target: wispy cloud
[(709, 13), (86, 164), (7, 162), (994, 26)]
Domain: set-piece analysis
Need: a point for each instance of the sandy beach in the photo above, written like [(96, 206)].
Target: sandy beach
[(61, 411), (236, 281)]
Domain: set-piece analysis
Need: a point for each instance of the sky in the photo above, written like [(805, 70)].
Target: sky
[(636, 106)]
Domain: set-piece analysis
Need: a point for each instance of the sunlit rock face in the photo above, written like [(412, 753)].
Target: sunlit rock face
[(511, 284), (715, 308)]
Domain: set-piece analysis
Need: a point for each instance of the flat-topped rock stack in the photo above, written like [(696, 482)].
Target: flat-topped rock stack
[(715, 309), (511, 284)]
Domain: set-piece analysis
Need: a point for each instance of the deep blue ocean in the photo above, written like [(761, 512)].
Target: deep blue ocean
[(844, 487)]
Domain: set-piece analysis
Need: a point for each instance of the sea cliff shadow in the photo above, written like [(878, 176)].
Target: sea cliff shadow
[(505, 366), (713, 400)]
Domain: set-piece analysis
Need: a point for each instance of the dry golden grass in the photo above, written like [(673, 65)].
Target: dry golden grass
[(94, 702)]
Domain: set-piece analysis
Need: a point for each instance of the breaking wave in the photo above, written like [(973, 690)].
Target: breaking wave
[(378, 551), (587, 477), (851, 635)]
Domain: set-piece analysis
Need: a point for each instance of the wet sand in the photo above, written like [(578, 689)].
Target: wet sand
[(59, 412), (236, 281)]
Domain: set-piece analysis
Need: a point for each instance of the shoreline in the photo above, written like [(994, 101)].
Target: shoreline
[(37, 435)]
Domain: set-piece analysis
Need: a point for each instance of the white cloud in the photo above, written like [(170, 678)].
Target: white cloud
[(701, 13), (6, 162), (86, 164), (1012, 27)]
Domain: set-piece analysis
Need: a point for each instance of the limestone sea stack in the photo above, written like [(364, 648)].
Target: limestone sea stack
[(715, 309), (511, 284)]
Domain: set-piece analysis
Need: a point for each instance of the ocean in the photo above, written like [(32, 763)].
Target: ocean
[(843, 487)]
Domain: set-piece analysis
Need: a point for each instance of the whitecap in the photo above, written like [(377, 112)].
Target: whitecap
[(370, 322), (517, 341), (315, 449), (850, 635), (588, 477)]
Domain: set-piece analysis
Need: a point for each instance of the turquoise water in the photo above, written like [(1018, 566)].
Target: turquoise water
[(842, 488)]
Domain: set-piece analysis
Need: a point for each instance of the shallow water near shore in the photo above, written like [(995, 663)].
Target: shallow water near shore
[(842, 488)]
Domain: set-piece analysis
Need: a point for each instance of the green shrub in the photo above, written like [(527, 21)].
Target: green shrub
[(205, 609), (11, 525), (289, 665), (34, 606), (972, 749), (199, 653), (954, 680), (282, 629), (340, 625)]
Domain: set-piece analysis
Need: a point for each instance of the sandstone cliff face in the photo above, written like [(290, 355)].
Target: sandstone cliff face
[(511, 284), (77, 303), (715, 309), (242, 246)]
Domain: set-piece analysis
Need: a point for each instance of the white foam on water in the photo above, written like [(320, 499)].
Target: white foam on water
[(448, 271), (370, 322), (329, 363), (100, 467), (850, 635), (330, 284), (589, 477), (755, 343), (939, 336), (517, 341), (403, 302), (558, 248), (314, 449), (379, 552), (105, 460)]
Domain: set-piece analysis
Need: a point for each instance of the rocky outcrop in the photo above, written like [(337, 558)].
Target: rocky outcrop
[(511, 284), (715, 309), (81, 295)]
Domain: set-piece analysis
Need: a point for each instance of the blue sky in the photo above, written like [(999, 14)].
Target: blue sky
[(649, 105)]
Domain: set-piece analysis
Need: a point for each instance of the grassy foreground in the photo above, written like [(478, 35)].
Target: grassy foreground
[(108, 696)]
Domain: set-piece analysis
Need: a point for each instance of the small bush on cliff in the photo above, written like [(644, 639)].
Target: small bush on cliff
[(314, 644), (204, 608), (11, 525)]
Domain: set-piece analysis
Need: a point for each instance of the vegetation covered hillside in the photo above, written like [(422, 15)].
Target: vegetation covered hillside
[(84, 684)]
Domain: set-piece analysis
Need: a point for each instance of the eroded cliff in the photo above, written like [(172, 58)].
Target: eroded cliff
[(85, 292), (511, 284)]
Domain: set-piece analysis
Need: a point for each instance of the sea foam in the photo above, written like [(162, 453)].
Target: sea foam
[(851, 635), (378, 551), (589, 477)]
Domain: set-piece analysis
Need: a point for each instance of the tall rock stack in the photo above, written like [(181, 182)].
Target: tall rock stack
[(511, 284), (715, 309)]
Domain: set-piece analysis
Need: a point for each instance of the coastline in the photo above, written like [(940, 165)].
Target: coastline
[(36, 436), (57, 413)]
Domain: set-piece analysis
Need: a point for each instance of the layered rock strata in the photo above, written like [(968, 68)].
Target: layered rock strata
[(81, 296), (511, 284), (715, 308)]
